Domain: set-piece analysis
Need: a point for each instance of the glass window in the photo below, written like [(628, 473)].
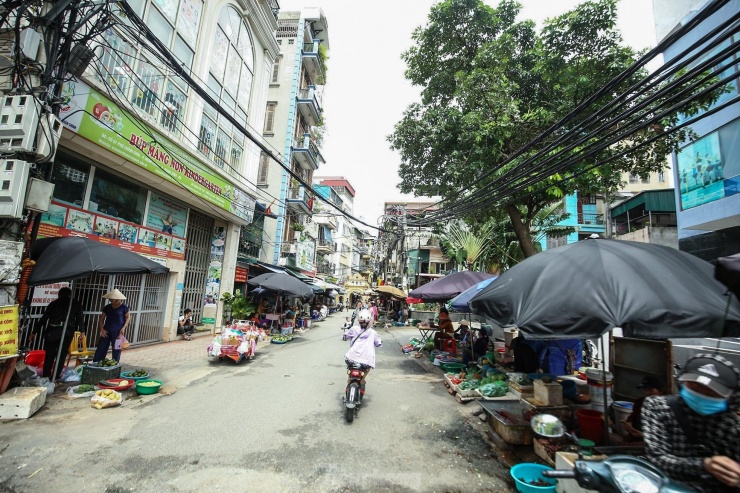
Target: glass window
[(172, 112), (70, 179), (206, 136), (147, 87), (183, 52), (115, 62), (159, 26), (634, 178), (661, 176), (188, 21), (115, 197)]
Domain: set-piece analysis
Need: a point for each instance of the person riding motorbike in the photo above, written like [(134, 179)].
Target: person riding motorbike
[(363, 341), (695, 437)]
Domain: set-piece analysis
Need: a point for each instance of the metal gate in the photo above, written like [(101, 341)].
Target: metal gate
[(197, 258), (146, 297)]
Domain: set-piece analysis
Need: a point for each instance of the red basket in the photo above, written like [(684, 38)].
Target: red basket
[(130, 384)]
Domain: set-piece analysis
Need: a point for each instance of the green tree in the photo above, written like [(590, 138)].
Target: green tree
[(491, 85)]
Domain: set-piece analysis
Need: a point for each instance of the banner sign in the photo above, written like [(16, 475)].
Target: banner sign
[(65, 220), (9, 330), (96, 118), (43, 295), (241, 274)]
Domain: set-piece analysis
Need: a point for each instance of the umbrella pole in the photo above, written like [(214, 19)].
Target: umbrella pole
[(603, 388), (61, 342)]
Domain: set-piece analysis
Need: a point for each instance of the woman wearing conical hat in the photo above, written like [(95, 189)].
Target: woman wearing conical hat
[(112, 324)]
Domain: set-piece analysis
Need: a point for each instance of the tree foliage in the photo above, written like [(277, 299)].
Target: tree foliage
[(491, 85)]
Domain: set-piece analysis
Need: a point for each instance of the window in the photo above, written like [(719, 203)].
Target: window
[(276, 71), (646, 179), (115, 197), (661, 176), (634, 178), (70, 178), (270, 118), (263, 169), (230, 83), (158, 95)]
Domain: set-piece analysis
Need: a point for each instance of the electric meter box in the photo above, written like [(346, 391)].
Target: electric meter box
[(47, 137), (19, 119), (39, 195), (13, 183)]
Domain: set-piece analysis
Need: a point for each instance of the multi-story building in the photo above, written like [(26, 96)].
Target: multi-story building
[(341, 192), (706, 170), (146, 164), (292, 126)]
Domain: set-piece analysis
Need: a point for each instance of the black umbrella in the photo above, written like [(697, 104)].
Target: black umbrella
[(449, 286), (282, 283), (727, 271), (68, 258), (584, 289)]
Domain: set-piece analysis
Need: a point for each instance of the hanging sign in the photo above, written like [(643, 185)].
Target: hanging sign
[(9, 330)]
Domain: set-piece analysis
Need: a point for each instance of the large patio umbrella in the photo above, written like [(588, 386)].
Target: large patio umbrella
[(283, 283), (585, 289), (392, 291), (460, 302), (727, 271), (69, 258), (449, 286)]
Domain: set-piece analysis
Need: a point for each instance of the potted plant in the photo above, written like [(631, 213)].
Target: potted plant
[(298, 227)]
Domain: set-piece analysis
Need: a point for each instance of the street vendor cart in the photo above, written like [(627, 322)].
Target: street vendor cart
[(236, 343)]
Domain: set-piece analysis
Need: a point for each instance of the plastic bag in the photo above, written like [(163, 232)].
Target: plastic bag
[(72, 392), (495, 389), (521, 379), (70, 375), (121, 343), (41, 382), (106, 398)]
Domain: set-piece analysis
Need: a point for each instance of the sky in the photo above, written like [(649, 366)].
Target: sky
[(366, 92)]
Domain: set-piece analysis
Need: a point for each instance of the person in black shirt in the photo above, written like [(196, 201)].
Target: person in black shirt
[(53, 319), (633, 424)]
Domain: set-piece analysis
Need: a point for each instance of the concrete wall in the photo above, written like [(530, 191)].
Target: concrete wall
[(657, 236)]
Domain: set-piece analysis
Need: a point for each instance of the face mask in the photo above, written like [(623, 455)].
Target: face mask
[(703, 404)]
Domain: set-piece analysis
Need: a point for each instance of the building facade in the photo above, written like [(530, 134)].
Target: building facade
[(292, 127)]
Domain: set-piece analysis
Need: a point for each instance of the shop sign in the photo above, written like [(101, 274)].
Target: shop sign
[(96, 118), (43, 295), (65, 220), (305, 253), (218, 246), (8, 330), (241, 274)]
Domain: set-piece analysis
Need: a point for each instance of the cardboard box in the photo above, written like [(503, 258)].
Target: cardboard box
[(550, 394), (22, 402)]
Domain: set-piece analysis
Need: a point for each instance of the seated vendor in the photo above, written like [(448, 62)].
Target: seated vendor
[(445, 328), (633, 424), (259, 322)]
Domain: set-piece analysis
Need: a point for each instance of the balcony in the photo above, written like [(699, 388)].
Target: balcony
[(306, 153), (310, 55), (325, 268), (298, 200), (328, 221), (324, 246), (310, 105), (591, 223)]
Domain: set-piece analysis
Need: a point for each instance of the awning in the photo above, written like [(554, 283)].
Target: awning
[(270, 267), (260, 208), (326, 285), (308, 280)]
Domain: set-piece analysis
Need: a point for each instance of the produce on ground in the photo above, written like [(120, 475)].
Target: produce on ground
[(85, 387), (138, 373), (494, 389), (107, 362), (148, 384)]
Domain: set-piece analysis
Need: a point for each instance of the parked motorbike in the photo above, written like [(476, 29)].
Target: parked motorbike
[(617, 474), (353, 394)]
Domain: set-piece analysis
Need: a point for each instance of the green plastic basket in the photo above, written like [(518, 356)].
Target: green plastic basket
[(146, 390), (452, 366)]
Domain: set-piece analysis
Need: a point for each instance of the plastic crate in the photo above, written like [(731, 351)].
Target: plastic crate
[(93, 374)]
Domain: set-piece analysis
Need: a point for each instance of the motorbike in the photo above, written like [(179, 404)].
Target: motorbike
[(352, 393), (616, 474)]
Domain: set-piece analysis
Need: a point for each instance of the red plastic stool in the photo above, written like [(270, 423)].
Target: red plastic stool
[(449, 346)]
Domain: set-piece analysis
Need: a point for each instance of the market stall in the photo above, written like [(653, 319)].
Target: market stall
[(236, 342)]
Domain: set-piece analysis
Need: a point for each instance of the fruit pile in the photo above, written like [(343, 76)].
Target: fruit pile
[(85, 387), (107, 362), (281, 338), (138, 373), (149, 384), (105, 398)]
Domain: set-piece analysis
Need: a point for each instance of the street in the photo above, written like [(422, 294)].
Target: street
[(274, 423)]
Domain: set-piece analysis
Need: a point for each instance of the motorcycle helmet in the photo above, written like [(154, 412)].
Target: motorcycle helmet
[(364, 319)]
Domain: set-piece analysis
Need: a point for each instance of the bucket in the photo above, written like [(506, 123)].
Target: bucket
[(591, 425), (35, 358), (595, 379), (622, 409)]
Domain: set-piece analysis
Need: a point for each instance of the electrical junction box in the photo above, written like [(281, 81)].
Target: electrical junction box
[(13, 183), (47, 137), (29, 42), (19, 118), (39, 195)]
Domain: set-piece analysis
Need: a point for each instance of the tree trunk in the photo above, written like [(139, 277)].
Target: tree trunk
[(521, 231)]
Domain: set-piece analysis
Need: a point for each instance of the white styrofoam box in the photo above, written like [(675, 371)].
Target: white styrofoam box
[(22, 402), (19, 119), (13, 183), (47, 137)]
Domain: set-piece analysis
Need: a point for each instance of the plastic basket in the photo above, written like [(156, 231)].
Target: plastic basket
[(129, 383), (94, 374), (146, 390), (127, 374)]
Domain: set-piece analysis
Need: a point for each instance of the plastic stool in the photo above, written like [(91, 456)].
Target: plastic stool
[(78, 349), (449, 345)]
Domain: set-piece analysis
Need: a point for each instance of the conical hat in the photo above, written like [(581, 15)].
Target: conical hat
[(114, 295)]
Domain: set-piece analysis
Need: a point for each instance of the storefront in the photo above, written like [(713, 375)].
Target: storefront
[(122, 183)]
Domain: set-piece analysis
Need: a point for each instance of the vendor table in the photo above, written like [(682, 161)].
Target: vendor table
[(506, 418), (426, 334)]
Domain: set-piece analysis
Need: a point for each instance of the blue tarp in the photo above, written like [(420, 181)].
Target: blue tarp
[(460, 302)]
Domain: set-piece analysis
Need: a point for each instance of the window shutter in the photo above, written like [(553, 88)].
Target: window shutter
[(262, 173), (270, 117), (276, 71)]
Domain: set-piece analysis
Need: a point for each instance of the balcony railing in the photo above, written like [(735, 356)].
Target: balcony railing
[(325, 246), (310, 93), (311, 48), (274, 7), (587, 218), (325, 269), (306, 152), (298, 199)]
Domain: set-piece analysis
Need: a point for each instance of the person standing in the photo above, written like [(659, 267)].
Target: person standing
[(112, 324), (53, 318), (185, 326), (695, 437)]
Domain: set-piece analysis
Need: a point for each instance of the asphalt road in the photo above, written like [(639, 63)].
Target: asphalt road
[(274, 424)]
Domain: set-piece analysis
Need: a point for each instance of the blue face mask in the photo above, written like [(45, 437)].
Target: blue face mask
[(703, 404)]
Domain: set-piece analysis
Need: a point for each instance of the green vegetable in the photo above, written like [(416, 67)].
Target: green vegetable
[(85, 387)]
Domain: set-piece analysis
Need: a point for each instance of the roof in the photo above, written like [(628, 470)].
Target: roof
[(338, 181), (651, 200)]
